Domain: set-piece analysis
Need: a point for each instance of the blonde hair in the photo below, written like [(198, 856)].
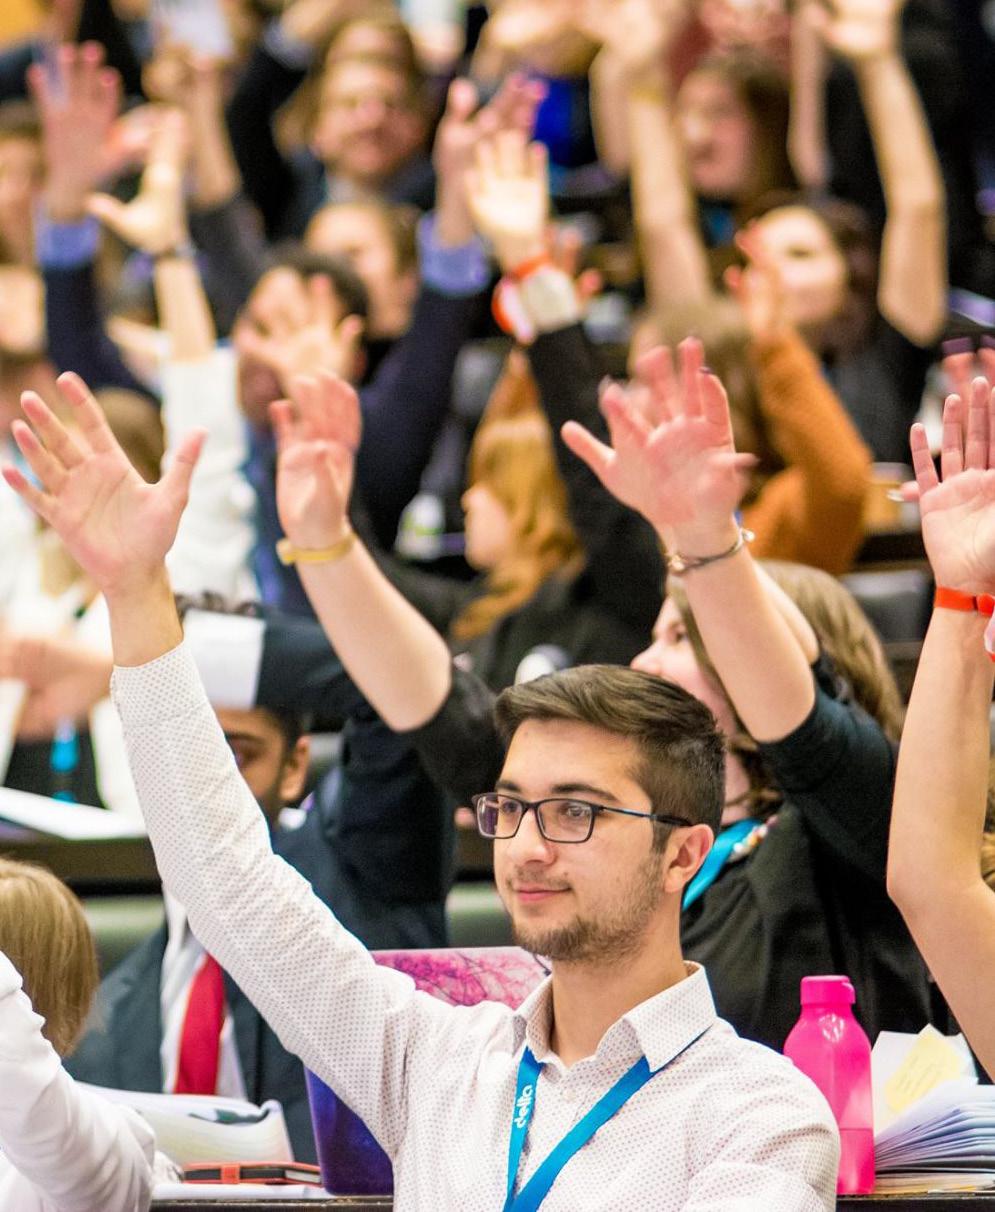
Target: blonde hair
[(512, 454), (845, 635), (44, 933)]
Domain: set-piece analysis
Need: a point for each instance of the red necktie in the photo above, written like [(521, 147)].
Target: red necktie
[(200, 1039)]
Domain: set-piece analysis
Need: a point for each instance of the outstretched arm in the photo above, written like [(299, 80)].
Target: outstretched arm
[(913, 276), (395, 657), (212, 844), (636, 35), (679, 469), (941, 788)]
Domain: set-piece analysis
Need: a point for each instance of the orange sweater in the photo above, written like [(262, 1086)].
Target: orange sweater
[(812, 512)]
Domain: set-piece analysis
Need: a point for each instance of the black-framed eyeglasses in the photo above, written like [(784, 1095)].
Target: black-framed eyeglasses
[(560, 818)]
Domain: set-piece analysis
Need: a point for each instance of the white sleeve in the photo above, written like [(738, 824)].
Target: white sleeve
[(350, 1020), (75, 1149), (213, 547), (778, 1148)]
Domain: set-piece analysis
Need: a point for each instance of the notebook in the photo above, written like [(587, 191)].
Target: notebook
[(351, 1161)]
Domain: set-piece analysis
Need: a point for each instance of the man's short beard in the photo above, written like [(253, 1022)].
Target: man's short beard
[(609, 938)]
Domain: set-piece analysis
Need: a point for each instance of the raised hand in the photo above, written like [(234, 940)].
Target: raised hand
[(317, 435), (758, 288), (962, 364), (508, 193), (859, 30), (958, 506), (116, 526), (636, 33), (77, 99), (155, 221), (304, 344), (671, 456)]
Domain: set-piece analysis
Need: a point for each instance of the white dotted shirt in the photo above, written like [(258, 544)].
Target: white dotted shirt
[(727, 1125)]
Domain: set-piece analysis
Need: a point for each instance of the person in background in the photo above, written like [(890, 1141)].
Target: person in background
[(369, 138), (594, 883), (62, 1148), (869, 313), (941, 790)]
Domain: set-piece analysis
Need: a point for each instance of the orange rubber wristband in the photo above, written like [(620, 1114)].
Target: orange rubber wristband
[(520, 272), (953, 599)]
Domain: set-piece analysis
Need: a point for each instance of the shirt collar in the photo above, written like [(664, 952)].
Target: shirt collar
[(659, 1028)]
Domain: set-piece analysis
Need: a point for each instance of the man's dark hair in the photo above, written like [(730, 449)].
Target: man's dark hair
[(346, 283), (293, 724), (681, 764)]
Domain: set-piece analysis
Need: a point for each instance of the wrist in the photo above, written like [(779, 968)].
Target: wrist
[(64, 207), (680, 561), (289, 552), (511, 255), (702, 537)]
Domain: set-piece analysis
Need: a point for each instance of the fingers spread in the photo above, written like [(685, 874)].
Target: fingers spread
[(88, 414), (58, 440), (976, 444), (40, 502), (922, 460), (586, 447), (49, 471), (656, 369), (952, 449)]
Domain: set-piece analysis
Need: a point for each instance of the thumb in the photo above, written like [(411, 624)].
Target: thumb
[(587, 448), (110, 211), (176, 480)]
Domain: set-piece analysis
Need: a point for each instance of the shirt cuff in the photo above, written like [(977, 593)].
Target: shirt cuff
[(66, 245), (166, 688), (458, 272), (288, 51)]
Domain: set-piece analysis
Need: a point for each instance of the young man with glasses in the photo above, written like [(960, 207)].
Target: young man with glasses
[(614, 1085)]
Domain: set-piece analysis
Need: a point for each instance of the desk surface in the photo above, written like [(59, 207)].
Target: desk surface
[(369, 1203), (109, 865)]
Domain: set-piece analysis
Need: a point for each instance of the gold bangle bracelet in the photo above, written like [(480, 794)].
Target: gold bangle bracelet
[(289, 554)]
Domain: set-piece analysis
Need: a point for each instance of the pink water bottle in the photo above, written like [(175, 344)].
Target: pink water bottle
[(829, 1046)]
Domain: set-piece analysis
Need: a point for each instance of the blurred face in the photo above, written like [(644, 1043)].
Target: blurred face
[(360, 39), (273, 775), (22, 312), (812, 268), (671, 656), (718, 134), (359, 235), (278, 308), (21, 170), (489, 532), (368, 124), (597, 900)]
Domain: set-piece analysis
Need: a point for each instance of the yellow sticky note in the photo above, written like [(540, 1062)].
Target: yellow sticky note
[(931, 1060)]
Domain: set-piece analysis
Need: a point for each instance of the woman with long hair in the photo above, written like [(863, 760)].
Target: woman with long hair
[(62, 1147)]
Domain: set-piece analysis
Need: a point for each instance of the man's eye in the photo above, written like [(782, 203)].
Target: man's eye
[(573, 810)]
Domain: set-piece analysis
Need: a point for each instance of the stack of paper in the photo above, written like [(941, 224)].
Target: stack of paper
[(934, 1125), (206, 1128), (75, 822)]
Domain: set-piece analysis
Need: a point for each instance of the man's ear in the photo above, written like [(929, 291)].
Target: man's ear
[(687, 848), (295, 769)]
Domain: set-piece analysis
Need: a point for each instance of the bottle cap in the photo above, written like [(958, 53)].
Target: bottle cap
[(821, 989)]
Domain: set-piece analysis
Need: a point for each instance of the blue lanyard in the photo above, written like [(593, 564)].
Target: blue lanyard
[(717, 858), (537, 1188)]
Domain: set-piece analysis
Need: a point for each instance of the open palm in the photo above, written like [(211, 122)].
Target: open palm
[(682, 471), (958, 506), (317, 435), (116, 526)]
